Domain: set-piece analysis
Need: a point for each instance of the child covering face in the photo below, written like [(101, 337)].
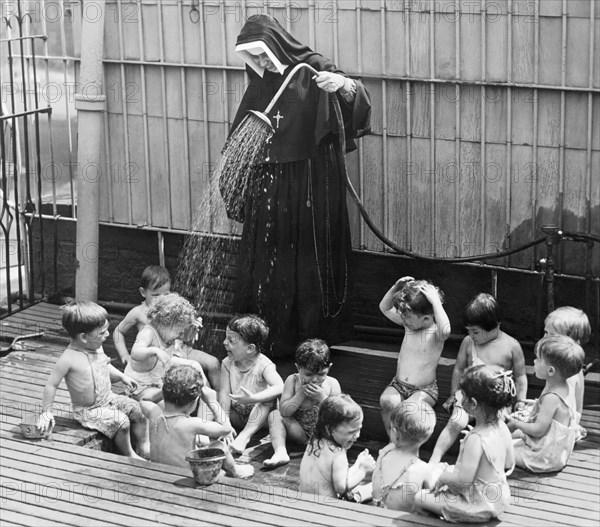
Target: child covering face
[(303, 394)]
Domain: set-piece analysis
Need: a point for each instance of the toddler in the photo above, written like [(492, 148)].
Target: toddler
[(250, 384), (88, 375), (174, 433), (573, 323), (397, 481), (324, 468), (169, 317), (155, 282), (303, 393), (417, 306), (545, 435), (487, 344), (462, 492)]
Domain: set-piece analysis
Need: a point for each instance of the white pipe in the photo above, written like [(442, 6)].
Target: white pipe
[(90, 104)]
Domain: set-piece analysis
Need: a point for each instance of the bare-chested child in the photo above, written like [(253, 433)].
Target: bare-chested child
[(303, 393), (324, 469), (486, 344), (169, 317), (174, 433), (88, 375), (416, 305), (155, 282)]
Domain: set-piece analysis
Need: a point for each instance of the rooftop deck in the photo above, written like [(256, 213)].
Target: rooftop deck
[(72, 480)]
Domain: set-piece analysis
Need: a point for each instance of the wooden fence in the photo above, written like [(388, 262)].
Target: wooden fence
[(485, 121)]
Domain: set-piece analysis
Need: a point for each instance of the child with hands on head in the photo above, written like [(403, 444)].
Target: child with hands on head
[(250, 384), (462, 492), (486, 344), (88, 375), (303, 393), (574, 323), (417, 306), (397, 481), (324, 468), (545, 434), (174, 433), (169, 317)]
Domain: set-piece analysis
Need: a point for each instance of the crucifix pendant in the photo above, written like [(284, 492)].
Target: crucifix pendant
[(278, 117)]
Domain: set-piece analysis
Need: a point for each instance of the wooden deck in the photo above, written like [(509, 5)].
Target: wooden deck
[(71, 479)]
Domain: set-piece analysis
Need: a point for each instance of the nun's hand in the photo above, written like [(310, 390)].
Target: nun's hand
[(329, 81)]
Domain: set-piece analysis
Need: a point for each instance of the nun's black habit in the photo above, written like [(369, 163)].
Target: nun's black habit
[(294, 260)]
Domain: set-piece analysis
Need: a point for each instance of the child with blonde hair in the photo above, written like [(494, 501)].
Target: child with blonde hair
[(174, 433), (399, 474), (155, 282), (88, 375), (545, 436), (417, 306), (303, 394), (250, 384), (463, 492), (324, 468), (573, 323), (169, 317)]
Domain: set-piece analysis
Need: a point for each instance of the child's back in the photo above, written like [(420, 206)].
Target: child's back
[(171, 439), (316, 468)]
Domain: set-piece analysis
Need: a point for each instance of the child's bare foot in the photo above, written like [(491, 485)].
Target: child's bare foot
[(238, 445), (280, 457), (133, 455), (240, 471)]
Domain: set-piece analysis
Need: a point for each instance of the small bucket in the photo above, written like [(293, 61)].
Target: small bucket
[(205, 464), (30, 429)]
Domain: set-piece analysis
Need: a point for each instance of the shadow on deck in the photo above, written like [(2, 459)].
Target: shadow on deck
[(71, 479)]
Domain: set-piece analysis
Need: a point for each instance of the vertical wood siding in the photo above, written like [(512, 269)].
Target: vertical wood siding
[(486, 116)]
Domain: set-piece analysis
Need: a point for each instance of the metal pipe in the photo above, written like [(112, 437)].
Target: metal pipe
[(89, 109)]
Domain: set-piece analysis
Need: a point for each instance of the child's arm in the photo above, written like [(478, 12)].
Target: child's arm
[(274, 390), (441, 318), (459, 368), (579, 386), (143, 349), (464, 471), (336, 389), (291, 398), (224, 390), (116, 376), (344, 478), (386, 306), (519, 372), (209, 396), (545, 415), (121, 330), (60, 370)]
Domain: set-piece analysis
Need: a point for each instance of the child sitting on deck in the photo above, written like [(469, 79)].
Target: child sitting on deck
[(88, 374), (416, 305), (487, 344), (399, 474), (324, 468), (303, 393), (174, 433), (574, 323), (250, 384), (169, 317), (155, 282), (546, 433), (475, 489)]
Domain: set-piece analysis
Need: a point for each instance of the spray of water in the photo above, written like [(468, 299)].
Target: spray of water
[(206, 272)]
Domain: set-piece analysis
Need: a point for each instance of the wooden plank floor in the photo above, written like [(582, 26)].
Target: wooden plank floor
[(70, 480)]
